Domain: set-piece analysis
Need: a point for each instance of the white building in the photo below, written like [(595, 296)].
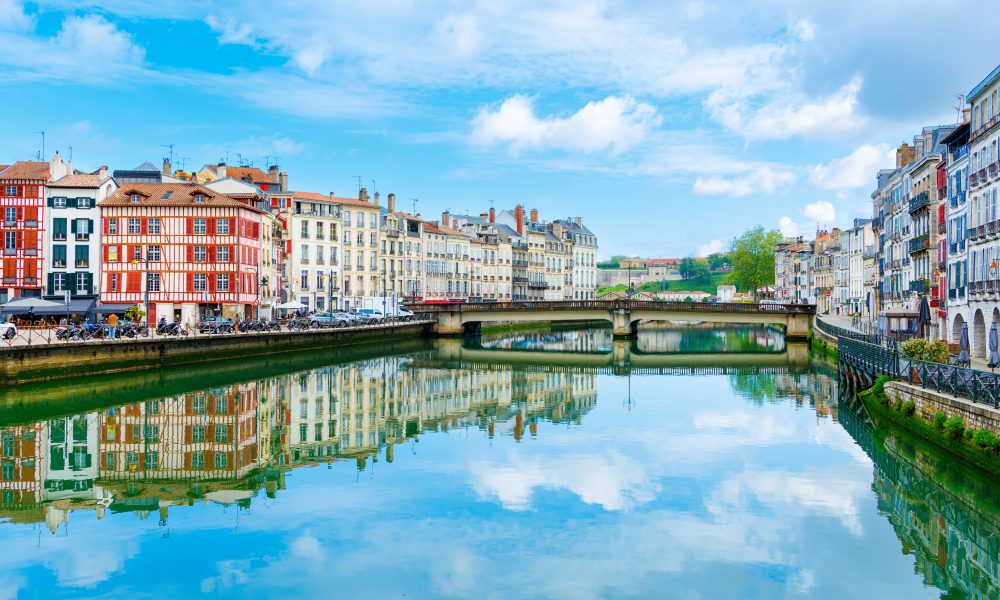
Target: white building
[(73, 246), (313, 224), (957, 275)]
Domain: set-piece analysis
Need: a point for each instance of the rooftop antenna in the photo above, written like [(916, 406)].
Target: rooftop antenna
[(491, 202), (42, 155), (182, 161), (171, 147), (358, 177), (267, 161), (70, 148), (414, 201), (960, 109), (374, 189), (239, 159)]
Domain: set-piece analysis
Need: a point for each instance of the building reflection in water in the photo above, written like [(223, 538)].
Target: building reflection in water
[(234, 444)]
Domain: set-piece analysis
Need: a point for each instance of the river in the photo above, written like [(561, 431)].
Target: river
[(695, 462)]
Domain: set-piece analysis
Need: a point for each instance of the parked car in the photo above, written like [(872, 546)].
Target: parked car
[(350, 318), (8, 330), (215, 325), (325, 319), (373, 314)]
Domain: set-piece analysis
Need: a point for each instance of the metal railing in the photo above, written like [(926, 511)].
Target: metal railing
[(703, 307)]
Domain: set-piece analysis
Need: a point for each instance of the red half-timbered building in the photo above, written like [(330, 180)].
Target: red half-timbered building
[(22, 202), (195, 251)]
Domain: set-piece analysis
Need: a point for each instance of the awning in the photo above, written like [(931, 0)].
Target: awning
[(895, 313), (79, 306)]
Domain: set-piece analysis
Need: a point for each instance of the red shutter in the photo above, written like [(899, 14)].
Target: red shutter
[(190, 226), (20, 213), (190, 253), (143, 226), (232, 282), (210, 254), (104, 250), (210, 225), (210, 284), (105, 221), (135, 282), (190, 278), (20, 239), (31, 213)]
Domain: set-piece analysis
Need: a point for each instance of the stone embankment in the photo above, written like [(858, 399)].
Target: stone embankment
[(45, 362), (929, 402)]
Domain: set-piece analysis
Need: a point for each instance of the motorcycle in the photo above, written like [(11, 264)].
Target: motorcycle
[(164, 328)]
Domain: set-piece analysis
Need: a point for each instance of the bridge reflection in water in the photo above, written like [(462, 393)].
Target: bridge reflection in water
[(235, 440)]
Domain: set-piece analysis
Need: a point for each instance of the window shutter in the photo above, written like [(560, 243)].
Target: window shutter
[(50, 201), (144, 227), (73, 226), (90, 226), (210, 433), (189, 222), (52, 284), (232, 282), (20, 213), (90, 282), (232, 225), (105, 221), (210, 283), (210, 226), (190, 281), (190, 253), (31, 213), (20, 239), (210, 254), (71, 203), (104, 252)]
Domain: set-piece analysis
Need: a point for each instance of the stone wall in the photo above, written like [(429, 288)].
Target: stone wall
[(975, 416), (44, 362)]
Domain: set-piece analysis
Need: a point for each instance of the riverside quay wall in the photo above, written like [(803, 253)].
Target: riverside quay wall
[(975, 416), (46, 362)]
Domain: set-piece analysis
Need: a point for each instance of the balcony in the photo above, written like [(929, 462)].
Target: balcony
[(82, 237), (31, 251), (59, 264), (59, 236), (920, 201), (9, 223), (919, 244), (392, 232), (30, 281), (82, 264), (31, 223), (993, 169), (973, 180)]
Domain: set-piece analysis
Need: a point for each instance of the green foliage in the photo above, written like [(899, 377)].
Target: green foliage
[(939, 419), (920, 349), (134, 313), (615, 262), (707, 284), (691, 268), (909, 408), (879, 386), (986, 440), (954, 427), (752, 257), (717, 261)]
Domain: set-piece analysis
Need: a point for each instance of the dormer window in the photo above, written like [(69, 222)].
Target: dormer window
[(134, 198), (199, 198)]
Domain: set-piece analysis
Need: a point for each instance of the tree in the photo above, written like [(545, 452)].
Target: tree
[(752, 257), (691, 268), (717, 260), (612, 263)]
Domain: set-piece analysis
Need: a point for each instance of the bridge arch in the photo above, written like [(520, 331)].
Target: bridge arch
[(956, 328)]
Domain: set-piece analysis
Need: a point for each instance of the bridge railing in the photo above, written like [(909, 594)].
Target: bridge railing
[(876, 359), (705, 307), (843, 333)]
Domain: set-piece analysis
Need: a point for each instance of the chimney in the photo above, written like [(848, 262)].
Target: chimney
[(283, 178), (578, 221), (272, 172), (557, 229), (376, 198), (444, 218), (534, 215), (391, 199), (103, 172), (904, 155), (493, 215), (221, 169), (166, 166), (519, 218), (363, 195)]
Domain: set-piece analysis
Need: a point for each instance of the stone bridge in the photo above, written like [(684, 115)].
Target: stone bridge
[(624, 315)]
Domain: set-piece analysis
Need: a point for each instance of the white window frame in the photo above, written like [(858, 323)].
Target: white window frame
[(200, 226), (222, 227), (200, 282), (134, 226), (220, 279)]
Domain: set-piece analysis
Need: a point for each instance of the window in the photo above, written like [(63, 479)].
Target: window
[(151, 433), (153, 282), (153, 253), (319, 280), (198, 460), (134, 226), (11, 190), (222, 227), (10, 216), (58, 229), (198, 433), (83, 283), (112, 254), (59, 256), (200, 227), (222, 282), (136, 253), (304, 279), (9, 242), (109, 460), (222, 254), (59, 281), (200, 282), (114, 282), (152, 459), (221, 405), (199, 198), (200, 254), (305, 229), (134, 198), (304, 252), (83, 202), (113, 226), (221, 434), (220, 460), (82, 258), (153, 225), (58, 203)]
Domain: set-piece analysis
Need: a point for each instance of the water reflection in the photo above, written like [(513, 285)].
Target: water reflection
[(726, 480)]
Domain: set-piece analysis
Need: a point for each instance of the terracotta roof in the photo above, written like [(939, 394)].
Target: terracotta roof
[(255, 174), (170, 194), (81, 180), (662, 261), (2, 167), (436, 228), (26, 169)]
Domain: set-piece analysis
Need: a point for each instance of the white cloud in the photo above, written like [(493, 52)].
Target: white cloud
[(13, 17), (614, 124), (711, 247), (788, 227), (758, 181), (856, 170), (803, 29), (820, 212), (783, 118)]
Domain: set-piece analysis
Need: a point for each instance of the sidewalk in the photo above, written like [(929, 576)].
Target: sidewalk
[(845, 323)]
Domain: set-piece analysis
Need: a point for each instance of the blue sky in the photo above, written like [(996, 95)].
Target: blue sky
[(670, 127)]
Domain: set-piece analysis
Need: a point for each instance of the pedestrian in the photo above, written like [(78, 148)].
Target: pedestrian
[(112, 324)]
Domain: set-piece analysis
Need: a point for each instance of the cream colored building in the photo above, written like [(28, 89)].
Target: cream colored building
[(360, 221)]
